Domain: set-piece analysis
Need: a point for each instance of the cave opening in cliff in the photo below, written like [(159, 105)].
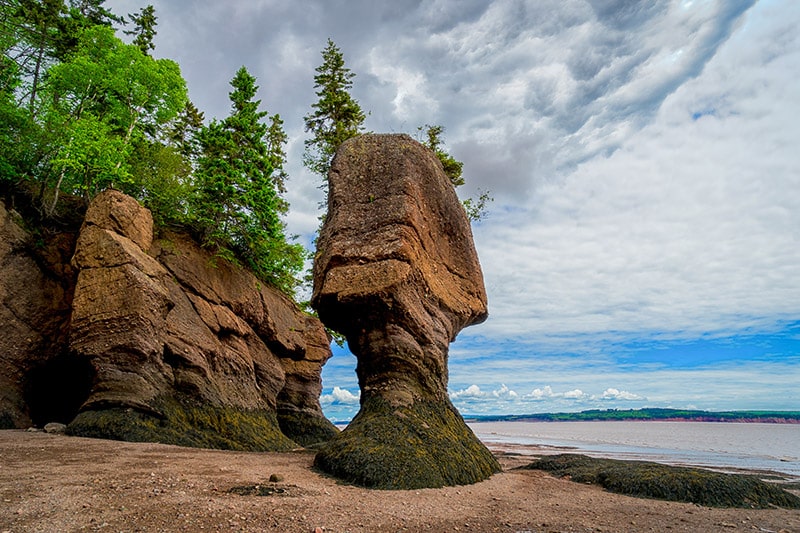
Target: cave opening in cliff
[(56, 389)]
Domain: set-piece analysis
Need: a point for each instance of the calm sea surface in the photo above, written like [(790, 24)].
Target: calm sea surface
[(774, 447)]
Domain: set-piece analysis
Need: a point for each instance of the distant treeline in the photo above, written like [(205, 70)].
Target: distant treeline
[(775, 417)]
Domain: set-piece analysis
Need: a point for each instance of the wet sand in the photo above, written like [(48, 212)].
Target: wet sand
[(59, 483)]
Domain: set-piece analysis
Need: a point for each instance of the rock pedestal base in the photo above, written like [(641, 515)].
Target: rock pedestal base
[(397, 273)]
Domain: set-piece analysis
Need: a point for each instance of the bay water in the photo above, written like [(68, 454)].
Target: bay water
[(727, 446)]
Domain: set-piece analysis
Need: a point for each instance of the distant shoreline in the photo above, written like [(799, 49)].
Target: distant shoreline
[(649, 415)]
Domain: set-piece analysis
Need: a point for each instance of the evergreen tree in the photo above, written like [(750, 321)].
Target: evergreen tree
[(92, 13), (13, 120), (81, 15), (452, 168), (276, 140), (475, 207), (336, 117), (39, 34), (237, 207), (144, 31)]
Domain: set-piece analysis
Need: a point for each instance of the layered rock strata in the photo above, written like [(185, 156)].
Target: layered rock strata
[(181, 347), (35, 295), (396, 272)]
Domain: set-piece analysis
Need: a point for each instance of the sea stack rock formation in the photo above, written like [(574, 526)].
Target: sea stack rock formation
[(154, 339), (396, 272)]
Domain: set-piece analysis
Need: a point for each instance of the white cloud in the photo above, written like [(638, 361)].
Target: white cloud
[(473, 391), (541, 394), (505, 393), (548, 393), (575, 394), (614, 394), (340, 396), (687, 228)]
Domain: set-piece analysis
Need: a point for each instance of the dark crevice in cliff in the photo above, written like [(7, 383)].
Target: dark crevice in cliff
[(56, 389)]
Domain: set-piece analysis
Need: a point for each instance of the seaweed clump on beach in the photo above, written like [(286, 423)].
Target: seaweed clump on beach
[(672, 483), (422, 445)]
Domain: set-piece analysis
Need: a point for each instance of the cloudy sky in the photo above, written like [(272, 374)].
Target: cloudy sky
[(643, 248)]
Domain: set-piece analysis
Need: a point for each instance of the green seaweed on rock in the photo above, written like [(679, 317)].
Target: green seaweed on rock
[(672, 483), (424, 445), (185, 423), (306, 429)]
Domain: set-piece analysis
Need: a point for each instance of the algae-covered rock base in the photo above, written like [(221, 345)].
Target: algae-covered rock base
[(306, 429), (672, 483), (185, 423), (426, 444)]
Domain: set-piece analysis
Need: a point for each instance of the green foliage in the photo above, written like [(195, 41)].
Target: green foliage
[(452, 168), (183, 422), (237, 206), (13, 121), (475, 207), (144, 30), (423, 445), (336, 116), (182, 132), (276, 141), (105, 97), (90, 156), (161, 180), (81, 111), (673, 483), (46, 32)]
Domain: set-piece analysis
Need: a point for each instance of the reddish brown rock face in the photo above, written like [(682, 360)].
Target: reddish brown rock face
[(396, 272), (176, 345), (35, 294)]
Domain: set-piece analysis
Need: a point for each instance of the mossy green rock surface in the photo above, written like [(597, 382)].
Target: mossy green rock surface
[(425, 445), (184, 424), (306, 429), (673, 483)]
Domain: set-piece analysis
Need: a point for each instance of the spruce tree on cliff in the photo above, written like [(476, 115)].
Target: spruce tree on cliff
[(476, 208), (238, 205), (336, 117), (144, 31)]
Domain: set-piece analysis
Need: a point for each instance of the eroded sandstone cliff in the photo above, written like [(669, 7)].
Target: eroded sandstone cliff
[(172, 344)]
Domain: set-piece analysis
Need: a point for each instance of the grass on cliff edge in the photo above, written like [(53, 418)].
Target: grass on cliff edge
[(426, 445), (185, 424), (672, 483)]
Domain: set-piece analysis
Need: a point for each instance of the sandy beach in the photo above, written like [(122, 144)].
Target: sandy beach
[(55, 483)]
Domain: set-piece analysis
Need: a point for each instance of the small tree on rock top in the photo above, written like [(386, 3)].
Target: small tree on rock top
[(336, 117), (475, 207)]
